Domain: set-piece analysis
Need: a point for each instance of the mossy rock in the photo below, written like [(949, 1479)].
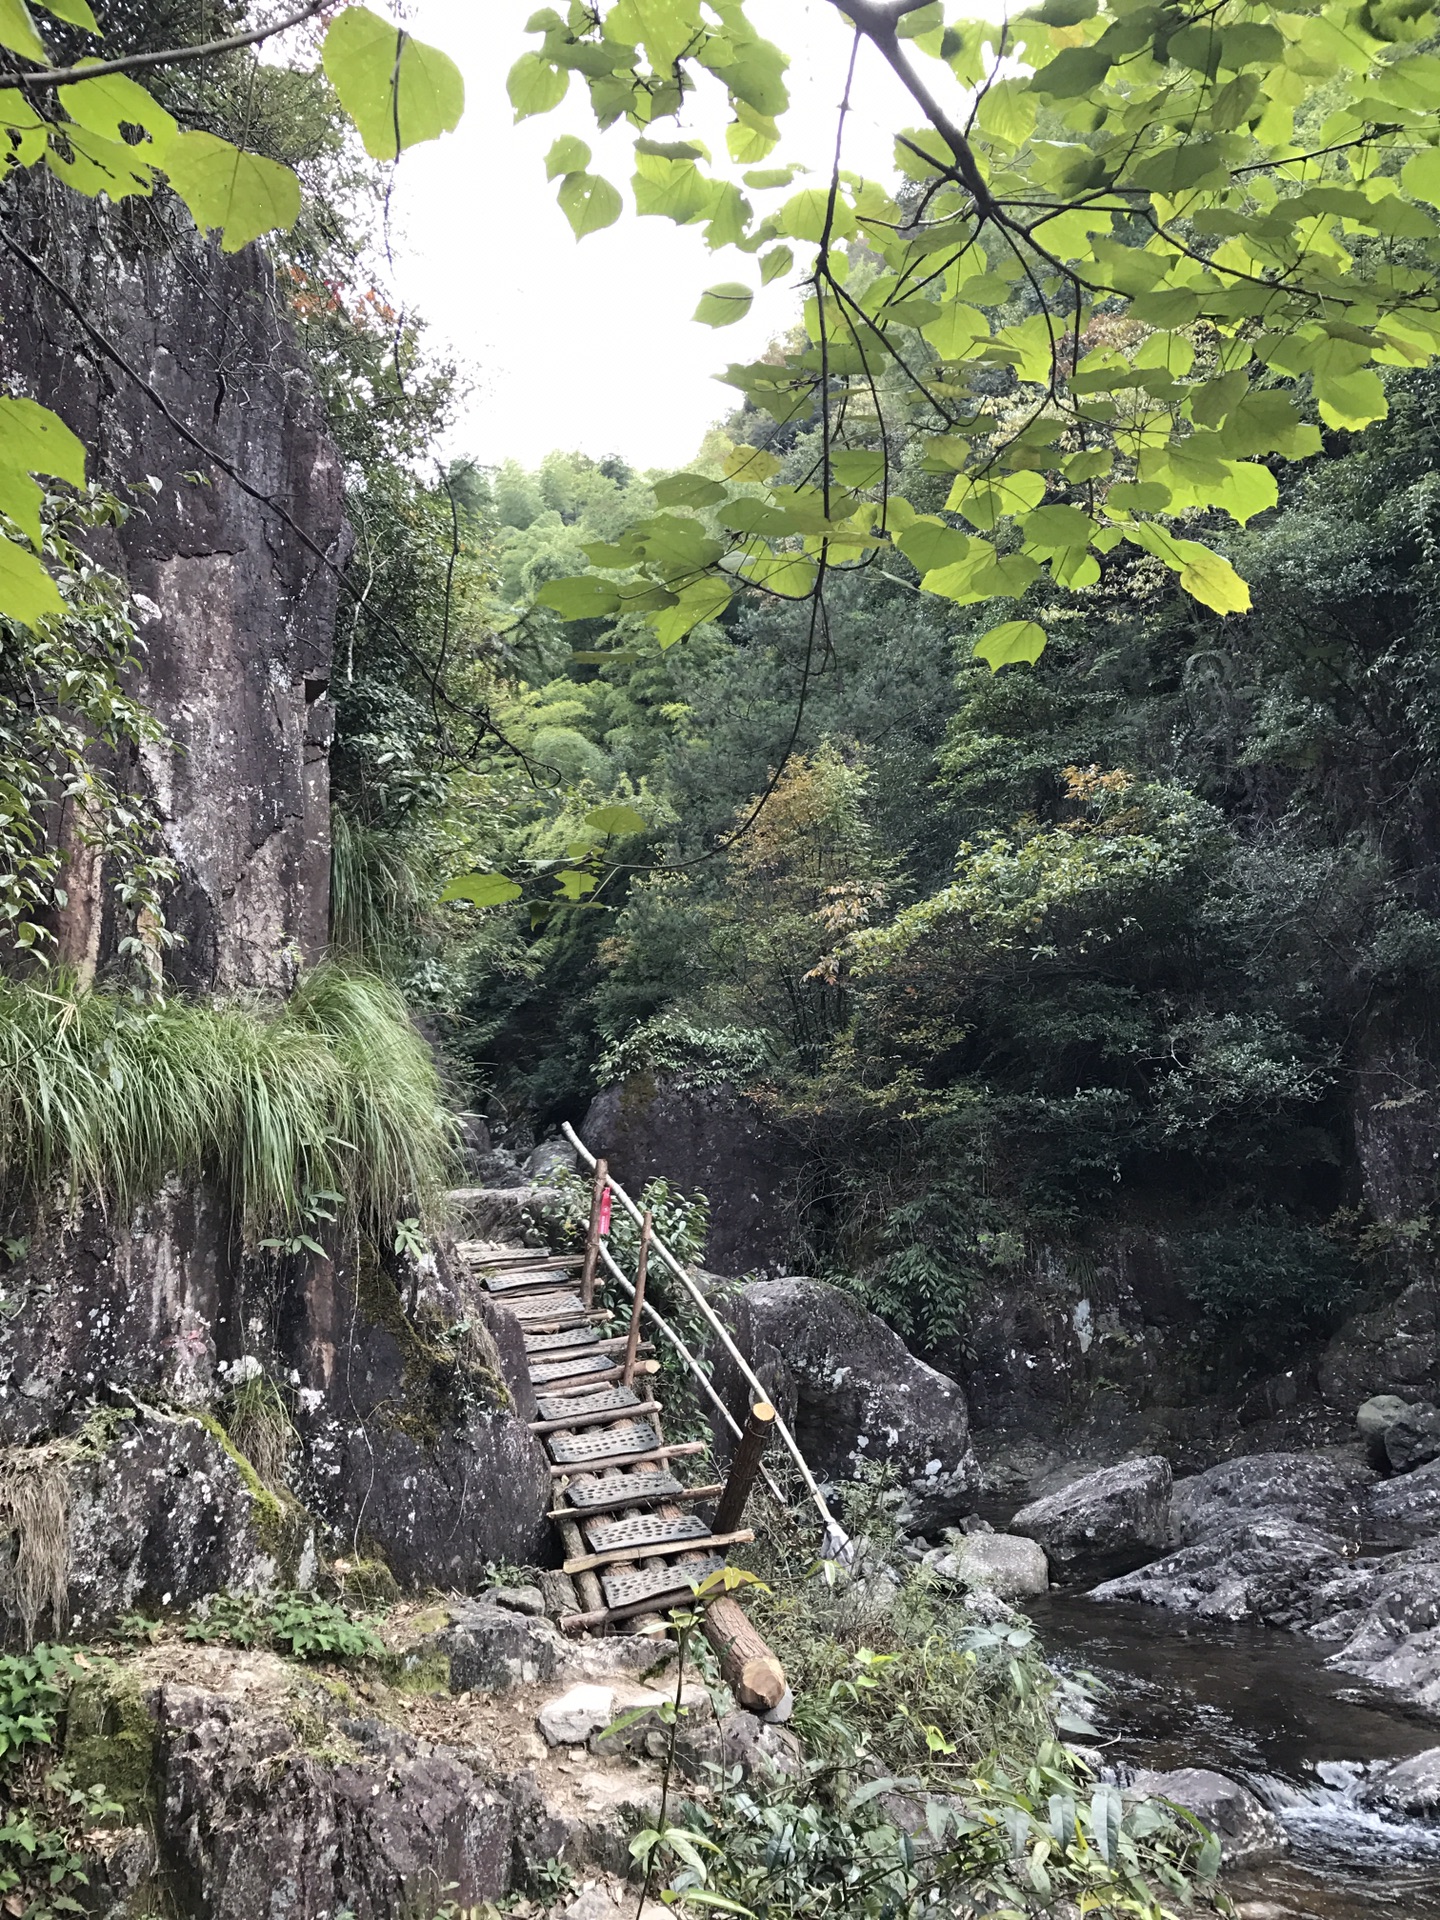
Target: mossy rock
[(110, 1739), (366, 1583)]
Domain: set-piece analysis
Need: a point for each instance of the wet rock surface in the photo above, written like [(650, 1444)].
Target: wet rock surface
[(851, 1391), (1104, 1523), (1246, 1829), (1005, 1564)]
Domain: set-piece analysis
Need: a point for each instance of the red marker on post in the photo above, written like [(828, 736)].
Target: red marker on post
[(604, 1223)]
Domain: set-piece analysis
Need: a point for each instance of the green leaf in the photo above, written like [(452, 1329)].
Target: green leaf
[(20, 498), (1073, 71), (568, 155), (616, 819), (774, 262), (27, 593), (928, 544), (1005, 645), (115, 101), (242, 194), (535, 85), (574, 884), (804, 214), (582, 597), (860, 470), (482, 889), (788, 574), (38, 441), (1205, 575), (688, 490), (1351, 400), (75, 13), (17, 31), (396, 89), (589, 203), (722, 306), (702, 600)]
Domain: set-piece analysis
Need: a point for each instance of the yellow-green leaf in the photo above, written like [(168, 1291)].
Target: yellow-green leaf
[(567, 155), (775, 261), (396, 89), (804, 214), (20, 498), (703, 599), (1420, 176), (588, 203), (535, 85), (243, 194), (75, 13), (722, 306), (17, 31), (582, 597), (1351, 400), (482, 889), (615, 819), (27, 593), (789, 574), (38, 441), (1010, 642), (113, 101)]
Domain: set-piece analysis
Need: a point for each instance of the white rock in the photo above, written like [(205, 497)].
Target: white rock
[(571, 1717)]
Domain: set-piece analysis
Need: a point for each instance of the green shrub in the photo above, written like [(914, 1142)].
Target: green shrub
[(332, 1091), (300, 1624), (1266, 1270)]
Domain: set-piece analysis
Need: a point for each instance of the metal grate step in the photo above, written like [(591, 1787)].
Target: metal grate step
[(548, 1306), (602, 1443), (622, 1490), (569, 1369), (557, 1342), (646, 1530), (524, 1278), (622, 1589), (559, 1406)]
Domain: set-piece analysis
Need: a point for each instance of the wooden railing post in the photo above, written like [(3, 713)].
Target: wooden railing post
[(647, 1227), (592, 1237), (745, 1466)]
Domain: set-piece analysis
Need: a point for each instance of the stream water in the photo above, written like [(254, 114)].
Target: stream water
[(1262, 1706)]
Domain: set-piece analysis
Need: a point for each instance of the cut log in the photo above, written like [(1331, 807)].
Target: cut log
[(745, 1467), (588, 1587), (755, 1676)]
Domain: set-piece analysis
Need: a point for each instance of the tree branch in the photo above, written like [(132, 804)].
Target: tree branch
[(164, 57)]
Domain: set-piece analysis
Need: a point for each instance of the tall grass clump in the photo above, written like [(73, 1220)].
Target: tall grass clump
[(375, 899), (328, 1100)]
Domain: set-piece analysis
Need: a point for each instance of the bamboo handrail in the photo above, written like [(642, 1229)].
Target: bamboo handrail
[(834, 1530)]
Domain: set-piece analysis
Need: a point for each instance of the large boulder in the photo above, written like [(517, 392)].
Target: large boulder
[(1374, 1419), (1006, 1564), (1406, 1509), (1319, 1490), (1410, 1788), (1413, 1439), (1247, 1831), (851, 1391), (1393, 1349), (1253, 1569), (1103, 1524), (707, 1139)]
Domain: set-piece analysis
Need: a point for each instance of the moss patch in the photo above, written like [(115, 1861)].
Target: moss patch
[(281, 1524), (110, 1739)]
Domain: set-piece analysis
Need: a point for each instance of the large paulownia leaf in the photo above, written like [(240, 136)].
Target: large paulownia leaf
[(396, 89)]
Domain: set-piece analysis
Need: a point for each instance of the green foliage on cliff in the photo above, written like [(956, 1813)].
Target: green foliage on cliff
[(330, 1099)]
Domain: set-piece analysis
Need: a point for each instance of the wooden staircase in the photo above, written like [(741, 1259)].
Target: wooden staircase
[(631, 1542)]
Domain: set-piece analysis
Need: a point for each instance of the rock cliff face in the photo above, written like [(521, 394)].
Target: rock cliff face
[(238, 599), (119, 1337)]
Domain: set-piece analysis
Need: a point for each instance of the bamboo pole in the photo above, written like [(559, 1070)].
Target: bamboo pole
[(588, 1587), (702, 1379), (835, 1531), (745, 1466), (637, 1299), (592, 1236)]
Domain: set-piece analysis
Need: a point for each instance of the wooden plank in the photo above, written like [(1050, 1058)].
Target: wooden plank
[(627, 1459), (587, 1562), (583, 1382)]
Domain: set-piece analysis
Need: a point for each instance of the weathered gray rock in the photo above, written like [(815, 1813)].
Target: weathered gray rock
[(1413, 1438), (851, 1391), (143, 1512), (1103, 1524), (519, 1599), (508, 1214), (548, 1159), (1410, 1788), (570, 1718), (491, 1649), (1319, 1490), (1406, 1509), (1254, 1569), (1247, 1831), (1393, 1349), (237, 606), (711, 1140), (252, 1823), (1007, 1564), (1373, 1421)]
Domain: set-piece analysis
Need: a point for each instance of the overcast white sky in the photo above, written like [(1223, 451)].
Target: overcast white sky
[(590, 345)]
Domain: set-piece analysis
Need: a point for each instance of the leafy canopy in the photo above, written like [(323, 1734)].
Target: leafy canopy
[(1130, 264), (109, 136)]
